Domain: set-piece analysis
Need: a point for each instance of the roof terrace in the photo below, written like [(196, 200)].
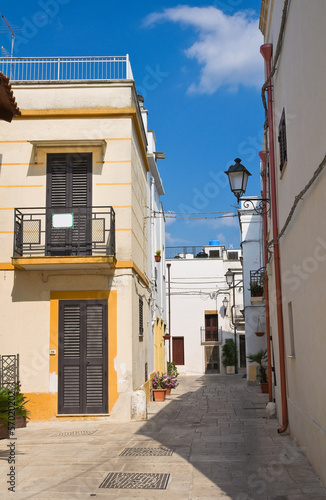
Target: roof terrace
[(63, 69)]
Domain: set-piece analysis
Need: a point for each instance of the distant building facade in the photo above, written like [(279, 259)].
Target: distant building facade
[(199, 322)]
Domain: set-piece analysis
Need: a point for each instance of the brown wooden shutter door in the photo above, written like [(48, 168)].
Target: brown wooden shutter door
[(178, 350), (83, 356), (69, 190)]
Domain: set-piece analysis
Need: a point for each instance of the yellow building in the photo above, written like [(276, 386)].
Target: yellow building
[(76, 291)]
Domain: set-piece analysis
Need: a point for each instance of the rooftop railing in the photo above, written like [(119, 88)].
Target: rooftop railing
[(59, 69)]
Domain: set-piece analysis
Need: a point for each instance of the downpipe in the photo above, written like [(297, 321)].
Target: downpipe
[(266, 51)]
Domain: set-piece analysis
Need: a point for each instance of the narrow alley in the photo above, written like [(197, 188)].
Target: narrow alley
[(209, 440)]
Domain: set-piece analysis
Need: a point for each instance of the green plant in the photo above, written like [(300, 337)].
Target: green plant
[(159, 380), (12, 402), (158, 252), (260, 358), (229, 353), (172, 369), (256, 289)]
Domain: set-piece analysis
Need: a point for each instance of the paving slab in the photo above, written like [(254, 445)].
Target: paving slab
[(223, 448)]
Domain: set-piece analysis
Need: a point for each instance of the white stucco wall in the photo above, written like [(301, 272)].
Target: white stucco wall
[(198, 285)]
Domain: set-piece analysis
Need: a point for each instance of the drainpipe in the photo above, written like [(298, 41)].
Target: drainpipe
[(266, 51), (262, 156)]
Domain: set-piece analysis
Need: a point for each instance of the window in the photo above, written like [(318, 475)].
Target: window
[(211, 327), (282, 141), (141, 319), (291, 329), (232, 255)]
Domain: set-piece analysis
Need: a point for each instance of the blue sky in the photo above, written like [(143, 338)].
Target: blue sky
[(198, 66)]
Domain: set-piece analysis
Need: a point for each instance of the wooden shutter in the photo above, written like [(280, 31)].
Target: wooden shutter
[(69, 190), (83, 357), (178, 350), (211, 327)]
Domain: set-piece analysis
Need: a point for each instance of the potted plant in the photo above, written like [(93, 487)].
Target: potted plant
[(256, 289), (158, 256), (260, 358), (229, 356), (13, 411), (170, 383), (172, 369), (21, 410), (159, 386)]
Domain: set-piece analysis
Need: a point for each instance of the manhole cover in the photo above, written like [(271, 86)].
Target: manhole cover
[(73, 433), (135, 481), (146, 452)]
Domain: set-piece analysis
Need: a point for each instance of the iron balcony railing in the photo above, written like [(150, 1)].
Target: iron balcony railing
[(56, 69), (208, 336), (257, 280), (65, 231), (238, 315)]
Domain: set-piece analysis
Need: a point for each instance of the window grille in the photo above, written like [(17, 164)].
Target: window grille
[(141, 318), (282, 141)]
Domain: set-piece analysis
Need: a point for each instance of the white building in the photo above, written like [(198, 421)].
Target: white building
[(251, 227), (199, 322)]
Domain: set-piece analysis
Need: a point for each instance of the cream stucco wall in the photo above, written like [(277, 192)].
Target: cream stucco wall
[(298, 86), (109, 113)]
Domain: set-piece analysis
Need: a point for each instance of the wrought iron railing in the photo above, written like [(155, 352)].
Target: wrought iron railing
[(65, 231), (238, 314), (208, 336), (56, 69), (9, 370), (257, 279), (190, 252)]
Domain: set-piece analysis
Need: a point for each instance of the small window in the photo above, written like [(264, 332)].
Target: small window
[(291, 329), (214, 254), (282, 141), (233, 255), (141, 319)]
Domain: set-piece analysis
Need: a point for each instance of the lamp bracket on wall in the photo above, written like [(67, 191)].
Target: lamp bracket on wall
[(259, 206)]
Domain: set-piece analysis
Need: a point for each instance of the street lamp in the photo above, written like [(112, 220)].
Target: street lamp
[(225, 304), (229, 276), (238, 178)]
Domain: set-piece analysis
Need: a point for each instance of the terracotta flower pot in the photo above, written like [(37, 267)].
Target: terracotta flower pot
[(4, 431), (157, 258), (159, 394), (264, 387), (259, 334), (168, 391)]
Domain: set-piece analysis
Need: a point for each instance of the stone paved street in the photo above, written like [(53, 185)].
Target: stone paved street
[(223, 448)]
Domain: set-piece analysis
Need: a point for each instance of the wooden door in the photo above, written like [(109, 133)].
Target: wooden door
[(69, 190), (211, 327), (83, 356), (178, 350)]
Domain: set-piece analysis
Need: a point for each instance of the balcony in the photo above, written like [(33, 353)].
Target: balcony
[(257, 279), (238, 315), (209, 337), (70, 237), (66, 69)]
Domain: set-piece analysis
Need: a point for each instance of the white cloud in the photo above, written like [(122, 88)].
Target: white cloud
[(227, 48), (171, 240)]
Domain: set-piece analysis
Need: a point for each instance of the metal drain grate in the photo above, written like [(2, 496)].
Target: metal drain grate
[(146, 452), (73, 433), (135, 481)]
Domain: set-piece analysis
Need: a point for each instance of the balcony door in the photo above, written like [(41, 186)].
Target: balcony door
[(68, 204), (83, 357)]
